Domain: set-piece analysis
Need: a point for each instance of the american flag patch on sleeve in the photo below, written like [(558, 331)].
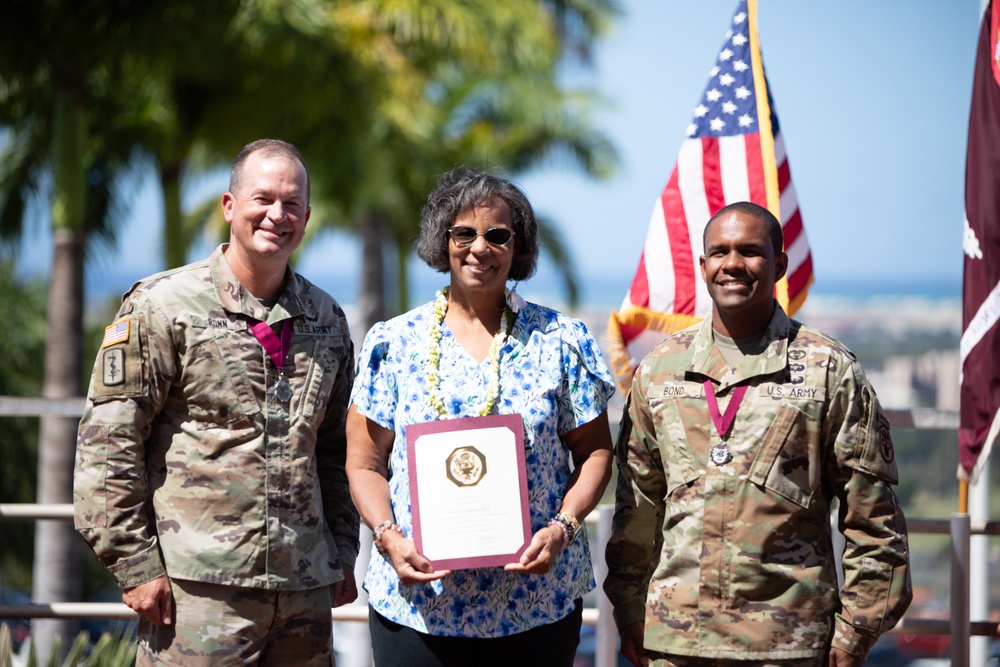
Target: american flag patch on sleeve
[(115, 333)]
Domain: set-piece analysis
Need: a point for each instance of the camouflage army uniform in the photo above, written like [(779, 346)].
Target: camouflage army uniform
[(188, 463), (735, 560)]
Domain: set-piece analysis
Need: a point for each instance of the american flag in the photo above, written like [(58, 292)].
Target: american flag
[(115, 333), (733, 152)]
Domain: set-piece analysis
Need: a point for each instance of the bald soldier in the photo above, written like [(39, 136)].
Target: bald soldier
[(210, 472), (737, 436)]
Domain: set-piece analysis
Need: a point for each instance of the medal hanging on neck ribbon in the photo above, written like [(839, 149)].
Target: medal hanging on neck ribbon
[(277, 349), (720, 454)]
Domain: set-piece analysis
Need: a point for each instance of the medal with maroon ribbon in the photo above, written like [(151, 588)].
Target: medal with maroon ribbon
[(277, 349), (720, 454)]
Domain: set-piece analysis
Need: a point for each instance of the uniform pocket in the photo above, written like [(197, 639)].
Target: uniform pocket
[(217, 389), (788, 460), (871, 595), (675, 448), (324, 367)]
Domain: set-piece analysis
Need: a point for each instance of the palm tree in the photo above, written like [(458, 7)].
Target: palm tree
[(63, 116), (464, 82), (488, 123), (239, 71), (375, 127)]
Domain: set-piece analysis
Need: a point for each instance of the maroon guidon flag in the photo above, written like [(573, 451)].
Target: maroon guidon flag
[(980, 346), (733, 151)]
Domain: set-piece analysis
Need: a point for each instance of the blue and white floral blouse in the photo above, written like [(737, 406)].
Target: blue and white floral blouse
[(553, 375)]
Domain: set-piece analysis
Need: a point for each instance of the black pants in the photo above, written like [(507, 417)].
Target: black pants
[(552, 645)]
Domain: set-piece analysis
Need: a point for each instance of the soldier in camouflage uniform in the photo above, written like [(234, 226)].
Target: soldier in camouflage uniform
[(721, 552), (210, 472)]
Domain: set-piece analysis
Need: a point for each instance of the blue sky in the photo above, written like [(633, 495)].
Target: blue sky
[(873, 100)]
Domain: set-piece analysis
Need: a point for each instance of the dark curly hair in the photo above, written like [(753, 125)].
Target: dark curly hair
[(461, 190)]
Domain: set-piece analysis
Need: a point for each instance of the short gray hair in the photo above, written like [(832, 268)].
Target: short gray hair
[(267, 148)]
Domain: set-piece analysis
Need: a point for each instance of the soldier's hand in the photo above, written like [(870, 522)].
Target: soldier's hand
[(152, 600), (345, 591), (840, 658), (632, 647)]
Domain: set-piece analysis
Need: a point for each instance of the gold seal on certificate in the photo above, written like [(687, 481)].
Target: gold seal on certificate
[(469, 491), (466, 466)]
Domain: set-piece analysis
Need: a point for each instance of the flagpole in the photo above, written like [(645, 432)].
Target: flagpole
[(979, 571), (979, 565), (763, 117)]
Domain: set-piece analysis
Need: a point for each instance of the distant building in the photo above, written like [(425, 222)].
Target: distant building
[(929, 380)]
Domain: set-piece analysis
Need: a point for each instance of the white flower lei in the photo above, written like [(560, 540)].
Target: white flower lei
[(433, 375)]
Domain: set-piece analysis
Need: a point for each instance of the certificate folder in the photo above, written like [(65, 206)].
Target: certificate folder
[(469, 491)]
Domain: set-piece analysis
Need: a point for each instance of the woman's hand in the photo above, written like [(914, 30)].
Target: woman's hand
[(368, 448), (590, 446), (541, 553), (411, 567)]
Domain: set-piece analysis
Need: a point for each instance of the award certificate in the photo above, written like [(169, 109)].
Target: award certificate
[(469, 491)]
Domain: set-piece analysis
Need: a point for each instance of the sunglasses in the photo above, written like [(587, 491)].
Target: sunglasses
[(466, 236)]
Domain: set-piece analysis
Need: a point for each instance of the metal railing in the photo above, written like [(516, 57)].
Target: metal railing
[(960, 527)]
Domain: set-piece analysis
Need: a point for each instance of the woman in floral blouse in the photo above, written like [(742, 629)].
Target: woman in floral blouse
[(479, 349)]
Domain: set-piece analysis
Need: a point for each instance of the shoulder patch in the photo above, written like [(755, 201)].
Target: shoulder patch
[(876, 455), (885, 440), (118, 372), (115, 333), (113, 366)]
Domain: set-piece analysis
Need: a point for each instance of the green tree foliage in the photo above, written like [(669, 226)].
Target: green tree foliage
[(112, 649), (381, 95), (467, 82), (68, 95), (23, 340)]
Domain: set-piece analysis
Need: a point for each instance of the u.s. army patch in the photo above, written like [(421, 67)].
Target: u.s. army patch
[(791, 391), (113, 367), (115, 333)]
